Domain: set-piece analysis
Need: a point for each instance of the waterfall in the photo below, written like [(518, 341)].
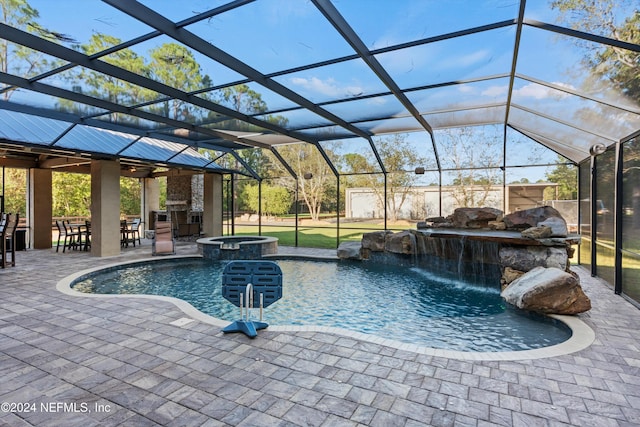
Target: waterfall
[(468, 255), (413, 249), (465, 259), (460, 270)]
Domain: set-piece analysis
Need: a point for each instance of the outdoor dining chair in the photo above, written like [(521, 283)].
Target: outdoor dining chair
[(8, 240), (87, 235), (123, 233), (132, 233), (61, 235), (3, 220), (69, 237), (3, 224)]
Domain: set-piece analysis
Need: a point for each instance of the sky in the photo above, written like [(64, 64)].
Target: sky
[(293, 33)]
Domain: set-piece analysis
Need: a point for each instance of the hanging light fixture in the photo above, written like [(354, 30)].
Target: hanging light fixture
[(597, 149)]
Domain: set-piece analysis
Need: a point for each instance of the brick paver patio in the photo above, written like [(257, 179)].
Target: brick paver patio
[(123, 361)]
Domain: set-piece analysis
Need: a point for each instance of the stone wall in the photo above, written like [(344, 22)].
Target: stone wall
[(481, 245), (185, 202), (237, 247), (179, 188), (472, 260)]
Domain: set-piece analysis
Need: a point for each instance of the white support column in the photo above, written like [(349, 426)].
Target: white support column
[(105, 208), (40, 208), (212, 213)]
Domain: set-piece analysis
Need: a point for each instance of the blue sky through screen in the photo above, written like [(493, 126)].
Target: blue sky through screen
[(453, 80)]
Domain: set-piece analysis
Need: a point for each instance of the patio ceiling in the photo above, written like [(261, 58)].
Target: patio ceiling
[(310, 71)]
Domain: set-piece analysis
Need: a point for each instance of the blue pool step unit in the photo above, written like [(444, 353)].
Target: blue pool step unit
[(251, 284)]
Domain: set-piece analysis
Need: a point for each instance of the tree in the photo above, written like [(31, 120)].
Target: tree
[(259, 160), (129, 196), (71, 194), (476, 161), (111, 88), (566, 176), (242, 98), (176, 66), (20, 60), (397, 156), (15, 190), (275, 200), (103, 86), (612, 64), (245, 100), (306, 160)]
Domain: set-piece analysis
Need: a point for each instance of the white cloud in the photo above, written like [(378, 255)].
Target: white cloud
[(328, 87), (378, 100), (465, 60), (495, 91), (564, 85), (465, 88), (537, 91), (531, 90)]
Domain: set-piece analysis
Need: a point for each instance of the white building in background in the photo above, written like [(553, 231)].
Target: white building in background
[(424, 201)]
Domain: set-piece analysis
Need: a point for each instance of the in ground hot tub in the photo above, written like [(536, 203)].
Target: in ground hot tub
[(237, 247)]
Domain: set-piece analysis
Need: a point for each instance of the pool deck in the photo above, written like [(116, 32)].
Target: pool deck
[(128, 361)]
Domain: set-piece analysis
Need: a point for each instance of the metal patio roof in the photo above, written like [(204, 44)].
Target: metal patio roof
[(163, 85)]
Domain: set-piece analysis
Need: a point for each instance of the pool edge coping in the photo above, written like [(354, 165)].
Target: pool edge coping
[(582, 336)]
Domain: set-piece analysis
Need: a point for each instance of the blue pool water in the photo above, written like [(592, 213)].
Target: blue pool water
[(410, 305)]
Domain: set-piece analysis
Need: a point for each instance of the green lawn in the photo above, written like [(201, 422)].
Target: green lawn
[(310, 237)]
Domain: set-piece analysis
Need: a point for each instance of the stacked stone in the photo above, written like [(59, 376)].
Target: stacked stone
[(535, 266)]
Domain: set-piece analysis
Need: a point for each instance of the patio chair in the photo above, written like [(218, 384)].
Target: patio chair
[(87, 235), (8, 240), (62, 235), (3, 222), (131, 234), (71, 238), (163, 240), (123, 233)]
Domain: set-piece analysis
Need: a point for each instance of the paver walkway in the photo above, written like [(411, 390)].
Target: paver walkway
[(79, 361)]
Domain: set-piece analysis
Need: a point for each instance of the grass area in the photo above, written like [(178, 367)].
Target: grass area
[(310, 236), (323, 237)]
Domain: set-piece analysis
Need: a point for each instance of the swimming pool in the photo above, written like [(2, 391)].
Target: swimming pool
[(408, 305)]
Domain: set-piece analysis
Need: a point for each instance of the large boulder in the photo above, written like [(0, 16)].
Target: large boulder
[(528, 257), (473, 217), (543, 215), (402, 242), (558, 226), (497, 225), (374, 241), (547, 291), (509, 275), (349, 250), (541, 232)]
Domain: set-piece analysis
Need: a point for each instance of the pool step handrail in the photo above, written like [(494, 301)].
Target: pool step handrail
[(242, 281)]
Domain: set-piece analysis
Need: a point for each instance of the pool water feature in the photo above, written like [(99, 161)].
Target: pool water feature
[(408, 305), (237, 247)]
